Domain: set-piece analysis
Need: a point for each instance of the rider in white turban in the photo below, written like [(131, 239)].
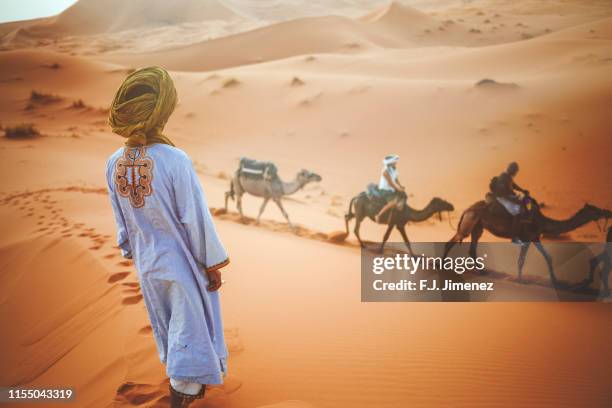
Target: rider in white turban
[(389, 184)]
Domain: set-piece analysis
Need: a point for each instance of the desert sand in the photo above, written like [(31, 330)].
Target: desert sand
[(331, 87)]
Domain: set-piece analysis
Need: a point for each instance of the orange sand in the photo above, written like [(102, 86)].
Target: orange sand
[(371, 82)]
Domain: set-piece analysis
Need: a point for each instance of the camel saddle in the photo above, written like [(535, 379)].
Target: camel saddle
[(373, 192), (377, 196), (528, 207), (257, 169)]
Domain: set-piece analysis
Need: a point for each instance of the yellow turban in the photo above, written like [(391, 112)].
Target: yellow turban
[(142, 106)]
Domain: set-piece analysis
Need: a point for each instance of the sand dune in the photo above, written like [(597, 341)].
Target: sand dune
[(403, 21), (98, 26), (94, 16), (395, 26), (333, 34), (597, 30)]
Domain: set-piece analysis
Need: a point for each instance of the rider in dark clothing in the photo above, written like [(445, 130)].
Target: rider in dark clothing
[(504, 189), (506, 185)]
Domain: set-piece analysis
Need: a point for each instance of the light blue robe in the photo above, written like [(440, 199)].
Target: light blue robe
[(165, 226)]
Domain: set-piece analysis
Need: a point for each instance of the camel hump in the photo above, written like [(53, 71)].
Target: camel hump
[(258, 168), (479, 206)]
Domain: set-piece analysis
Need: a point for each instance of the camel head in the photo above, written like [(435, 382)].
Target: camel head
[(439, 205), (304, 177), (591, 212)]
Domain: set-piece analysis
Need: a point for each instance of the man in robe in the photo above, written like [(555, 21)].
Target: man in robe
[(165, 227)]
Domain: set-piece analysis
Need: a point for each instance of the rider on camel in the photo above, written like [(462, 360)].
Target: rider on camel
[(503, 188), (390, 186)]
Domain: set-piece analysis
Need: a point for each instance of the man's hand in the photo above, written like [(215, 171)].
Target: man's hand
[(214, 280)]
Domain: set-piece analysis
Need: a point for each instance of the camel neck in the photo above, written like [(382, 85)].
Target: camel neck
[(422, 215), (556, 227), (291, 187)]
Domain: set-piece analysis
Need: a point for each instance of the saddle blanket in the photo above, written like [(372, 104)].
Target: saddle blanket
[(510, 206), (258, 169)]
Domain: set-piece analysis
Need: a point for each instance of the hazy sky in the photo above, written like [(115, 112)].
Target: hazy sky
[(12, 10)]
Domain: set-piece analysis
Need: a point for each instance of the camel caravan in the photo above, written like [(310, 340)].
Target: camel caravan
[(508, 211)]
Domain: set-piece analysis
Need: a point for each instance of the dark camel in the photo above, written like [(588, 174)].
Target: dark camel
[(394, 218), (478, 217)]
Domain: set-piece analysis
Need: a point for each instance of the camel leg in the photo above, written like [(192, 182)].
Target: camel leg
[(476, 234), (347, 218), (402, 230), (356, 230), (262, 208), (229, 193), (593, 263), (386, 237), (227, 196), (449, 245), (239, 205), (521, 260), (280, 206), (465, 228), (548, 259)]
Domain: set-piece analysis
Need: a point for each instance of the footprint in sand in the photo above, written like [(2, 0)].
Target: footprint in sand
[(131, 284), (131, 300), (230, 385), (131, 290), (146, 329), (110, 256), (116, 277), (139, 394), (124, 263)]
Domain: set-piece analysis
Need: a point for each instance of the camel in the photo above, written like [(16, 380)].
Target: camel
[(395, 218), (478, 218), (267, 185)]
